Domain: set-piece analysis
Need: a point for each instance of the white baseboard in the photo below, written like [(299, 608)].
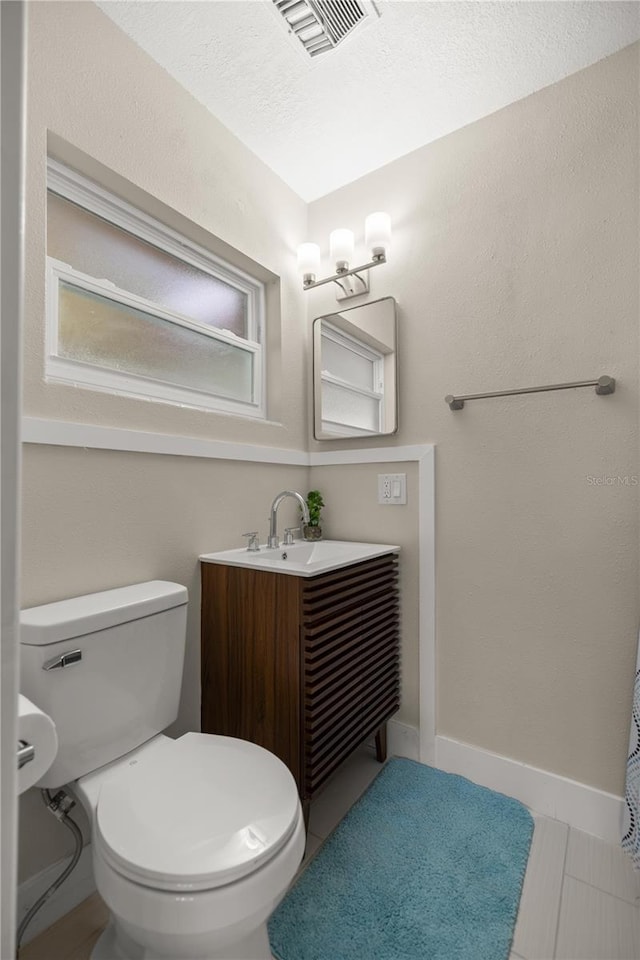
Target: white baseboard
[(402, 740), (581, 806), (77, 887)]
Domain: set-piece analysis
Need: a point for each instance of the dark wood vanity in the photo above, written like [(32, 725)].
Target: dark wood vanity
[(308, 667)]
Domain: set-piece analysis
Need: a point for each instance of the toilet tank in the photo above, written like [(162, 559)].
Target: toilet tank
[(107, 668)]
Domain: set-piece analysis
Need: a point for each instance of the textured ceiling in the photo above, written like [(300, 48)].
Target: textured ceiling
[(420, 71)]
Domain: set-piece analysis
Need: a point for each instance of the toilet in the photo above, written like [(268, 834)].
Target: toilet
[(195, 840)]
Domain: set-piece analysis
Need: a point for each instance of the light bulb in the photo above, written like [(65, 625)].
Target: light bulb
[(341, 244), (309, 261), (377, 234)]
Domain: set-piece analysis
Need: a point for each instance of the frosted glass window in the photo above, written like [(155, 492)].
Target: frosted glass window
[(136, 309), (95, 330), (99, 249), (344, 406)]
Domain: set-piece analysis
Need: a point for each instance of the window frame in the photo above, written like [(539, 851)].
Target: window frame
[(72, 186)]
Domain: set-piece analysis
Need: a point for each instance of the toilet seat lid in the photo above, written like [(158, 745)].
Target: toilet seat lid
[(199, 812)]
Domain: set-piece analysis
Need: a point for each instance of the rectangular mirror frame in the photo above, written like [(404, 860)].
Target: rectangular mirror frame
[(351, 326)]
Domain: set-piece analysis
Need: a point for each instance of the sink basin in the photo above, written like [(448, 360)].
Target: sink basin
[(302, 559)]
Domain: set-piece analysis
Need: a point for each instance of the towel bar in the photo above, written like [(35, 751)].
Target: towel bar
[(604, 386)]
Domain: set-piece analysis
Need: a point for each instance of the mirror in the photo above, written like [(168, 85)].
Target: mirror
[(355, 372)]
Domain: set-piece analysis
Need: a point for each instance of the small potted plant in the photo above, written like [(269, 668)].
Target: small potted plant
[(315, 503)]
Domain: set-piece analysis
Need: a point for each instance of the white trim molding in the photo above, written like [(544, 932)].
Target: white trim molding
[(327, 458), (64, 433), (581, 806)]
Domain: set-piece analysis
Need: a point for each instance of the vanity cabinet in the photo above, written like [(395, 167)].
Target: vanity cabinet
[(308, 667)]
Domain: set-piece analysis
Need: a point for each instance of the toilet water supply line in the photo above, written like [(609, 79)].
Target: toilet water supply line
[(59, 806)]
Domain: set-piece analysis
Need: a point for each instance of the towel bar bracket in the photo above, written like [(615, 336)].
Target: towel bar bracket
[(605, 386)]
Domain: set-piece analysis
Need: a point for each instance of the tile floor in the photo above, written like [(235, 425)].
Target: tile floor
[(580, 901)]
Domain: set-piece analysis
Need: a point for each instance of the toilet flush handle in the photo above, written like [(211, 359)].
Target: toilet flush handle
[(65, 660)]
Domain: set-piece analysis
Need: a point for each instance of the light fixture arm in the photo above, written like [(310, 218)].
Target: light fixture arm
[(348, 291), (355, 271)]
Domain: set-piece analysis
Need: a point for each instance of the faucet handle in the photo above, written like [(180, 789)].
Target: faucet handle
[(288, 535), (253, 544)]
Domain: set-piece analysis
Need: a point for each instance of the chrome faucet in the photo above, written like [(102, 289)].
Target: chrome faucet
[(273, 517)]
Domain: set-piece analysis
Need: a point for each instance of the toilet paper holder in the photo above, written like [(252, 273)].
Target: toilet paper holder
[(37, 743), (26, 753)]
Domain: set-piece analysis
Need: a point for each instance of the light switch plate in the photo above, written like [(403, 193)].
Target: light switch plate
[(392, 488)]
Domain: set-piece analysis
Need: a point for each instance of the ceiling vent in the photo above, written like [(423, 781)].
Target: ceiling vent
[(320, 25)]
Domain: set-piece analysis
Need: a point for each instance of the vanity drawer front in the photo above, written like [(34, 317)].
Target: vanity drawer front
[(351, 661)]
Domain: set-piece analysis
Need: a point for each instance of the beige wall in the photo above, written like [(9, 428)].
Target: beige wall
[(515, 263), (98, 519)]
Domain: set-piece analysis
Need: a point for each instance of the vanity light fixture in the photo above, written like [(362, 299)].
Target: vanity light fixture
[(352, 281)]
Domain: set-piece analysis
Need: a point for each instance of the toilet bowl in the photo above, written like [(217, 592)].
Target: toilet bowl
[(195, 840), (223, 924)]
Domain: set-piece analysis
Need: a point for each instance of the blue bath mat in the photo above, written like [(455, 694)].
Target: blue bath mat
[(425, 866)]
